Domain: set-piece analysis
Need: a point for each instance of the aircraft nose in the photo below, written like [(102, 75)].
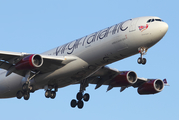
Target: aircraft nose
[(164, 28), (158, 31)]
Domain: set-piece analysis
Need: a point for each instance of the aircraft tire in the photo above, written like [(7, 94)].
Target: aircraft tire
[(80, 104), (86, 97), (47, 93), (144, 61), (73, 103), (53, 94), (139, 60), (19, 94), (32, 90), (26, 95), (25, 87), (79, 96)]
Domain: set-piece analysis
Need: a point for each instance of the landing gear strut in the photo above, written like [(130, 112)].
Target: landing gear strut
[(80, 96), (142, 51)]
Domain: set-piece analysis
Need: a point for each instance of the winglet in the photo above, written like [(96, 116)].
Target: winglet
[(165, 82)]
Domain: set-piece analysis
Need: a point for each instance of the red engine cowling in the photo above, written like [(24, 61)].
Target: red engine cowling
[(29, 62), (151, 87), (124, 78)]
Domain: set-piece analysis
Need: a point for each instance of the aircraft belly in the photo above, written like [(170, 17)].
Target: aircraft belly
[(65, 80), (10, 85), (3, 88), (71, 73)]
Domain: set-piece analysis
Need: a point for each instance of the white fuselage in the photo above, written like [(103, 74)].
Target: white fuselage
[(93, 51)]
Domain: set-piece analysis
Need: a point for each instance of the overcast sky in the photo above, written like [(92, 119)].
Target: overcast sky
[(36, 26)]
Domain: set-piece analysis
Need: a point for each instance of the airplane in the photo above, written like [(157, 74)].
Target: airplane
[(83, 61)]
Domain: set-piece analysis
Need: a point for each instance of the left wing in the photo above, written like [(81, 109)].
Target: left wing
[(21, 63), (125, 79)]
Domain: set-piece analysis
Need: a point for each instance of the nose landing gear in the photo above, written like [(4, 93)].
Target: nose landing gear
[(142, 51)]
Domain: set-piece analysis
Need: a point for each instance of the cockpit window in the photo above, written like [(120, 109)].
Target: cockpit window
[(152, 20), (158, 20), (148, 20)]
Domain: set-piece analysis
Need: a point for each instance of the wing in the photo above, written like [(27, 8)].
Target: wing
[(125, 79), (21, 63)]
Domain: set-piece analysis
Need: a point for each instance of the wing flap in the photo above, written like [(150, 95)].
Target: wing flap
[(5, 65)]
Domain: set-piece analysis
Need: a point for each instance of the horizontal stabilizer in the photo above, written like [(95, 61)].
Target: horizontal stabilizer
[(165, 82)]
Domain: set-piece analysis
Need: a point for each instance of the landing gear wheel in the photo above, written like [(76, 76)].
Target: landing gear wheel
[(139, 60), (32, 89), (79, 96), (73, 103), (80, 104), (53, 94), (47, 93), (19, 94), (26, 95), (86, 97), (25, 87), (144, 61)]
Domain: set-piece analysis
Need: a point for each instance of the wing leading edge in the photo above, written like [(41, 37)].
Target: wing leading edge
[(124, 79), (21, 63)]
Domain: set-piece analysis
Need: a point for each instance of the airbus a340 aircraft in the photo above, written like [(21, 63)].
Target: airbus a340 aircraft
[(83, 62)]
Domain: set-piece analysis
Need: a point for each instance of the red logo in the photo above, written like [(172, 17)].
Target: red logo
[(142, 28)]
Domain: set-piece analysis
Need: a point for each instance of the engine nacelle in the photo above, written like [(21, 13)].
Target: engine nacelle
[(151, 87), (124, 78), (30, 62)]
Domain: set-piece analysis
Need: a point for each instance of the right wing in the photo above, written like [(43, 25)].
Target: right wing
[(125, 79)]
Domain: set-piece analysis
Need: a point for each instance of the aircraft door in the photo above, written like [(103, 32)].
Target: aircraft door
[(133, 25)]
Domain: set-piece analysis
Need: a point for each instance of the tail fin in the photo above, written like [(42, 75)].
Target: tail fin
[(165, 82)]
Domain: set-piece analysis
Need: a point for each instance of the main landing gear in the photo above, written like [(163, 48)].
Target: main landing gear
[(80, 96), (79, 102), (26, 87), (26, 90), (51, 93), (142, 51)]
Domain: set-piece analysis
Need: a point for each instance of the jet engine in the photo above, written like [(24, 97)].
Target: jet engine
[(124, 78), (30, 62), (151, 87)]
